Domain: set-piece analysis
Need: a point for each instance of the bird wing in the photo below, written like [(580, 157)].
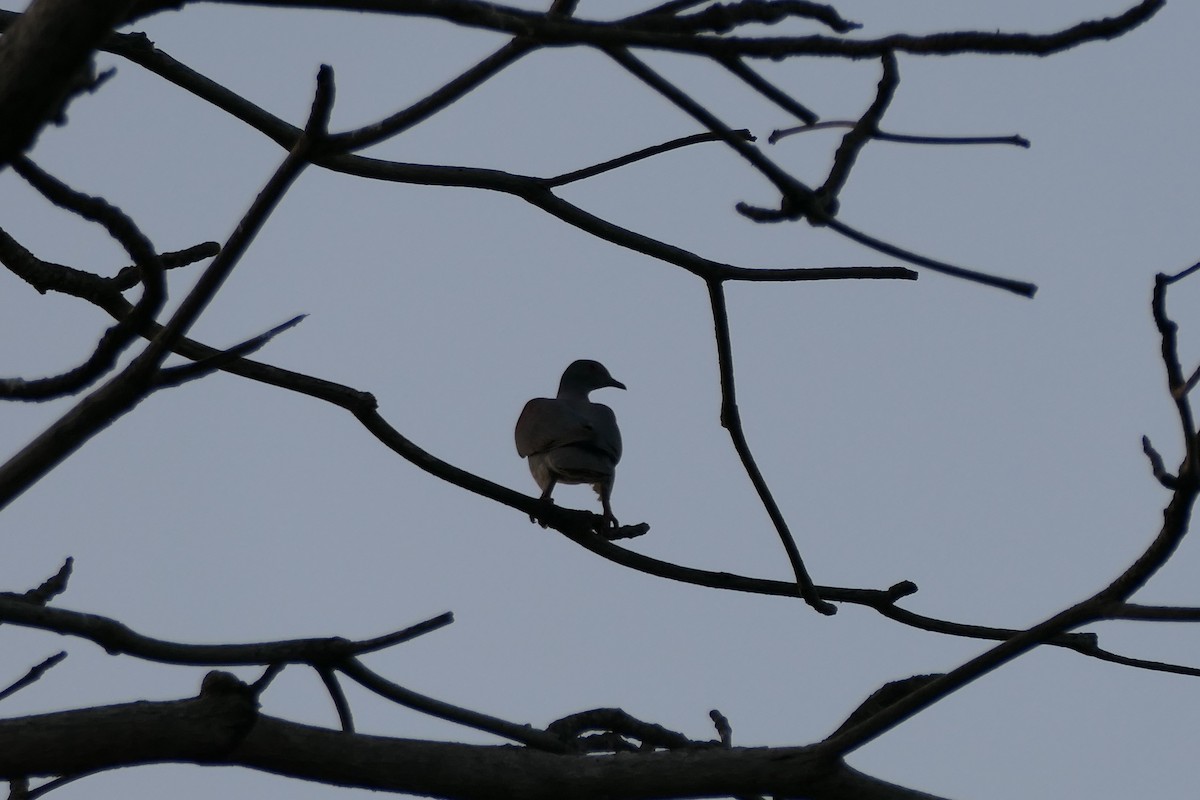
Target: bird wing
[(604, 427), (547, 424)]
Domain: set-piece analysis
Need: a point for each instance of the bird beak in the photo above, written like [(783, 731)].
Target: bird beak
[(616, 384)]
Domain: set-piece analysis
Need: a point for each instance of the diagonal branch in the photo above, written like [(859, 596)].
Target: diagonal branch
[(119, 337), (731, 420), (425, 108), (33, 675), (862, 132), (631, 158), (770, 91), (525, 734), (122, 393), (1103, 604)]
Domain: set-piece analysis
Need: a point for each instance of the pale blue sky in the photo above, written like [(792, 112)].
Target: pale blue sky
[(984, 446)]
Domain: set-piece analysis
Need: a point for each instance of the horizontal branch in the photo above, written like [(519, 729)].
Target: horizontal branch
[(117, 638), (646, 31), (534, 190), (222, 727)]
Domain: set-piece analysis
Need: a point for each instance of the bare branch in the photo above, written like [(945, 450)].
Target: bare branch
[(633, 32), (724, 730), (1016, 287), (116, 639), (129, 277), (117, 338), (33, 675), (531, 189), (902, 138), (175, 376), (50, 588), (721, 18), (731, 420), (1168, 331), (41, 57), (866, 127), (425, 108), (123, 392), (525, 734), (769, 90), (221, 727), (329, 678), (1155, 613), (571, 728), (648, 152), (1156, 465), (1103, 604)]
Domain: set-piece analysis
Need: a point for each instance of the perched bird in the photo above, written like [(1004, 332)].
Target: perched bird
[(570, 439)]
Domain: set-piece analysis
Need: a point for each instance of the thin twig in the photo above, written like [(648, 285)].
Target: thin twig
[(722, 17), (799, 198), (731, 420), (329, 678), (769, 90), (33, 675), (525, 734), (117, 638), (1168, 333), (176, 376), (1101, 605), (119, 337), (1157, 468), (123, 392), (1022, 288), (128, 277), (901, 138), (648, 152), (427, 106), (53, 586)]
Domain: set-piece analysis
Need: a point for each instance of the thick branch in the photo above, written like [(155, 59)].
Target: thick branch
[(41, 57), (220, 728)]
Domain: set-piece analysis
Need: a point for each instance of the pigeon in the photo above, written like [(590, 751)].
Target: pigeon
[(570, 439)]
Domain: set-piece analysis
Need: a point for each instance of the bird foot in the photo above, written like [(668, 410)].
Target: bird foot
[(536, 516)]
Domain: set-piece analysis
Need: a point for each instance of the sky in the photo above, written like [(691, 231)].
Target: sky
[(985, 446)]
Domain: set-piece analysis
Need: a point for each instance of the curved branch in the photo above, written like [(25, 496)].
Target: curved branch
[(525, 734), (136, 381), (119, 337), (531, 189), (221, 727), (731, 420), (117, 639), (1103, 604), (635, 32)]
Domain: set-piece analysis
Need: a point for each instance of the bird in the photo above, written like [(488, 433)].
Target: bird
[(570, 439)]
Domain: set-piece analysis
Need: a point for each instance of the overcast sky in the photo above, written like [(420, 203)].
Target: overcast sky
[(984, 446)]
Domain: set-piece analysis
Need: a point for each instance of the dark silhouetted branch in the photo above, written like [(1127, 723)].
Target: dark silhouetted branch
[(731, 420), (862, 132), (607, 166), (901, 138), (33, 675)]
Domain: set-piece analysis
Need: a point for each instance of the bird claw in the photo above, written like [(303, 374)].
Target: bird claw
[(546, 503)]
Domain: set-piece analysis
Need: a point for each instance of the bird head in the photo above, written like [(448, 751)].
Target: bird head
[(585, 375)]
